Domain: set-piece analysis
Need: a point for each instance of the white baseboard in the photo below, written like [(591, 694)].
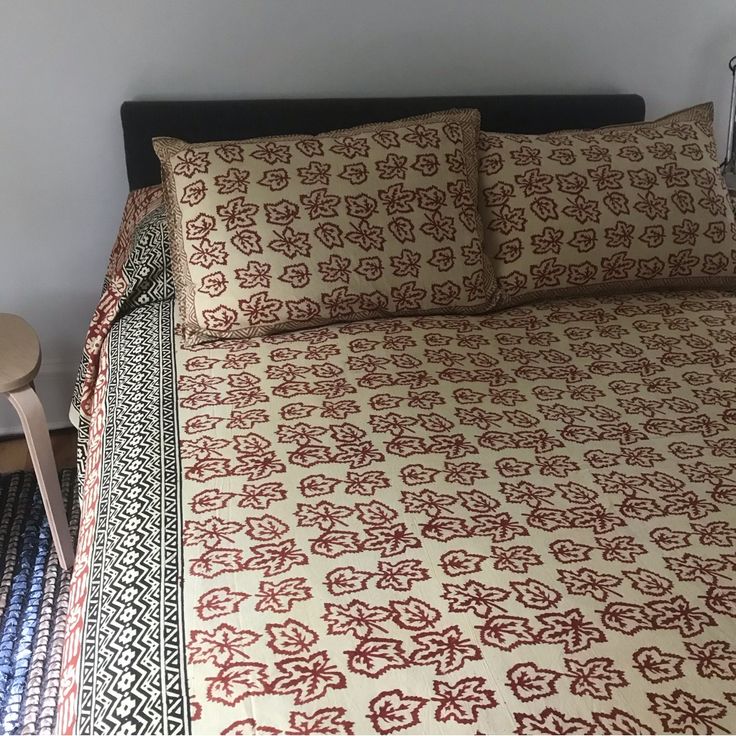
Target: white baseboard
[(54, 384)]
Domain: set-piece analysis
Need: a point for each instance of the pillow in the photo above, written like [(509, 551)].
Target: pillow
[(274, 234), (623, 208)]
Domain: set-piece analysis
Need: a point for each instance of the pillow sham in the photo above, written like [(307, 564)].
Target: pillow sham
[(623, 208), (274, 234)]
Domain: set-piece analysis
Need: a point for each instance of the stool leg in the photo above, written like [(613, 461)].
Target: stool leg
[(32, 417)]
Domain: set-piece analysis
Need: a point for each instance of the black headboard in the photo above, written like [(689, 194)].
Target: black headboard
[(197, 121)]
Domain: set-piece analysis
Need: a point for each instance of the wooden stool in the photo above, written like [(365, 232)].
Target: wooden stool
[(20, 359)]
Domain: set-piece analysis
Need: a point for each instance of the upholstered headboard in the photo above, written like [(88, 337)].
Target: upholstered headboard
[(236, 119)]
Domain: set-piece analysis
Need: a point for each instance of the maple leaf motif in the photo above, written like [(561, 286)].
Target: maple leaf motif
[(551, 721), (678, 613), (618, 721), (462, 701), (447, 650), (216, 562), (626, 617), (586, 581), (507, 632), (569, 629), (219, 602), (221, 645), (595, 677), (392, 710), (307, 678), (237, 681), (335, 543), (473, 596), (722, 599), (276, 558), (374, 656), (413, 614), (459, 562), (280, 597), (714, 659), (322, 721), (528, 681), (356, 617), (265, 527), (518, 558), (658, 666), (290, 637), (647, 582), (212, 532), (534, 594), (344, 580), (682, 712), (248, 727), (400, 575), (390, 540)]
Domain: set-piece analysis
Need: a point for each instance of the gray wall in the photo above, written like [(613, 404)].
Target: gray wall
[(66, 66)]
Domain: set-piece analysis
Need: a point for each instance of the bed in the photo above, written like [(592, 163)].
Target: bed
[(516, 522)]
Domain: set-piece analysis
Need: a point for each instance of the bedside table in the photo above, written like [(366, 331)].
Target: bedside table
[(20, 359)]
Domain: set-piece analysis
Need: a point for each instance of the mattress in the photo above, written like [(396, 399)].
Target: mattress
[(521, 522)]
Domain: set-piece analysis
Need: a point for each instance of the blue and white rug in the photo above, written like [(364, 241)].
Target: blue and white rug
[(34, 595)]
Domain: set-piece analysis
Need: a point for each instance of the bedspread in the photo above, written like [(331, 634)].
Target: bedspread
[(521, 522)]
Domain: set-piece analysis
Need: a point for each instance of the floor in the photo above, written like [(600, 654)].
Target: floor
[(14, 451)]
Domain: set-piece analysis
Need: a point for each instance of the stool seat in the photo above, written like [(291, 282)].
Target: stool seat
[(20, 359), (20, 353)]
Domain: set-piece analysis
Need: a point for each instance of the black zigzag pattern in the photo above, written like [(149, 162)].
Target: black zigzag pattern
[(132, 673)]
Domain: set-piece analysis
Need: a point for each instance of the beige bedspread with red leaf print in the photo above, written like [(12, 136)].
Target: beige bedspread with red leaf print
[(523, 522)]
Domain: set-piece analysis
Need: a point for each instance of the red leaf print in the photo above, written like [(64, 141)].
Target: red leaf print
[(211, 499), (656, 665), (220, 646), (277, 558), (528, 681), (413, 614), (390, 540), (280, 597), (220, 318), (307, 678), (400, 575), (459, 562), (200, 227), (507, 632), (216, 562), (237, 214), (533, 594), (473, 596), (236, 682), (374, 656), (357, 618), (462, 701), (391, 711), (569, 629), (322, 721), (595, 677), (265, 528), (259, 309), (682, 712), (551, 721), (344, 580), (282, 212), (290, 637), (714, 659), (647, 582), (620, 722), (447, 650), (219, 602), (415, 475)]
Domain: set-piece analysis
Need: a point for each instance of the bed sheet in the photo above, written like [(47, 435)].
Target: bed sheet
[(520, 522)]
